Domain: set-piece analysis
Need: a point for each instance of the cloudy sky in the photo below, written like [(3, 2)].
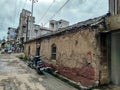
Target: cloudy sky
[(74, 11)]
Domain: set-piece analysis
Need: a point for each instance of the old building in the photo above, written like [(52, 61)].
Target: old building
[(25, 27), (39, 30), (11, 37), (87, 52), (2, 43), (73, 50), (11, 33), (111, 49), (27, 30), (114, 6), (55, 25)]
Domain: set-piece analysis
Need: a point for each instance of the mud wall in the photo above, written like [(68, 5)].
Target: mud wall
[(32, 46), (76, 57)]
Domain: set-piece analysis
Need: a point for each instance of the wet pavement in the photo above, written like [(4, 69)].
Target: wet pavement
[(16, 75)]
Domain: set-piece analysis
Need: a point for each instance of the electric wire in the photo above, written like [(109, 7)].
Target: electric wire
[(45, 13), (24, 4), (22, 7), (99, 5), (14, 16), (96, 3), (57, 12)]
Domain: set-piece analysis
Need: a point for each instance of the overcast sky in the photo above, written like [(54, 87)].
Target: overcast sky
[(74, 11)]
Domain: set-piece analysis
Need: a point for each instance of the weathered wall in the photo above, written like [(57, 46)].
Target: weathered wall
[(114, 7), (105, 58), (77, 56), (113, 22), (32, 48), (82, 55)]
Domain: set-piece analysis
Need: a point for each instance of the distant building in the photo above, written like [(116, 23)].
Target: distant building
[(11, 33), (38, 31), (11, 37), (24, 29), (27, 30), (2, 43), (55, 25), (25, 26)]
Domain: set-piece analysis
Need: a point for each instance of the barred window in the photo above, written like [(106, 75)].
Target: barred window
[(53, 52)]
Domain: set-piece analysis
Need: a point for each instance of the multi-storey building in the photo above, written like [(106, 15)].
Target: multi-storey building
[(11, 37), (55, 25), (26, 22), (11, 33)]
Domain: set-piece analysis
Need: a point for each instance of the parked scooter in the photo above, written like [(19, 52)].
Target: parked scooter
[(30, 64), (37, 64), (40, 67)]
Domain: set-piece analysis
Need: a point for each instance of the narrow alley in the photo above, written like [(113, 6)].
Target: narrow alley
[(16, 75)]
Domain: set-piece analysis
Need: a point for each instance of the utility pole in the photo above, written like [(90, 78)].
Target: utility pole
[(33, 1), (32, 8), (31, 18)]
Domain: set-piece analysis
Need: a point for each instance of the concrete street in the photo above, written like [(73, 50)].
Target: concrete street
[(16, 75)]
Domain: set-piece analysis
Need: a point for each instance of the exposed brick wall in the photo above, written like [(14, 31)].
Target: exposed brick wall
[(74, 52), (85, 74)]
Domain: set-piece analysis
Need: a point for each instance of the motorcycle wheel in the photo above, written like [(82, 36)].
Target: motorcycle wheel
[(39, 71)]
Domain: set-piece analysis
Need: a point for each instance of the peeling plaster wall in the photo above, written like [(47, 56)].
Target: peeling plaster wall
[(32, 48), (72, 47), (105, 58), (74, 50), (77, 57), (113, 22), (82, 55)]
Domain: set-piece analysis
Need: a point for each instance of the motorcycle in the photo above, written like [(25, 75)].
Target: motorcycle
[(40, 67), (37, 64)]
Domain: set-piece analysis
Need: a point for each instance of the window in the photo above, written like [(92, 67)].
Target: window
[(38, 51), (53, 56), (29, 50), (52, 25), (60, 22)]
